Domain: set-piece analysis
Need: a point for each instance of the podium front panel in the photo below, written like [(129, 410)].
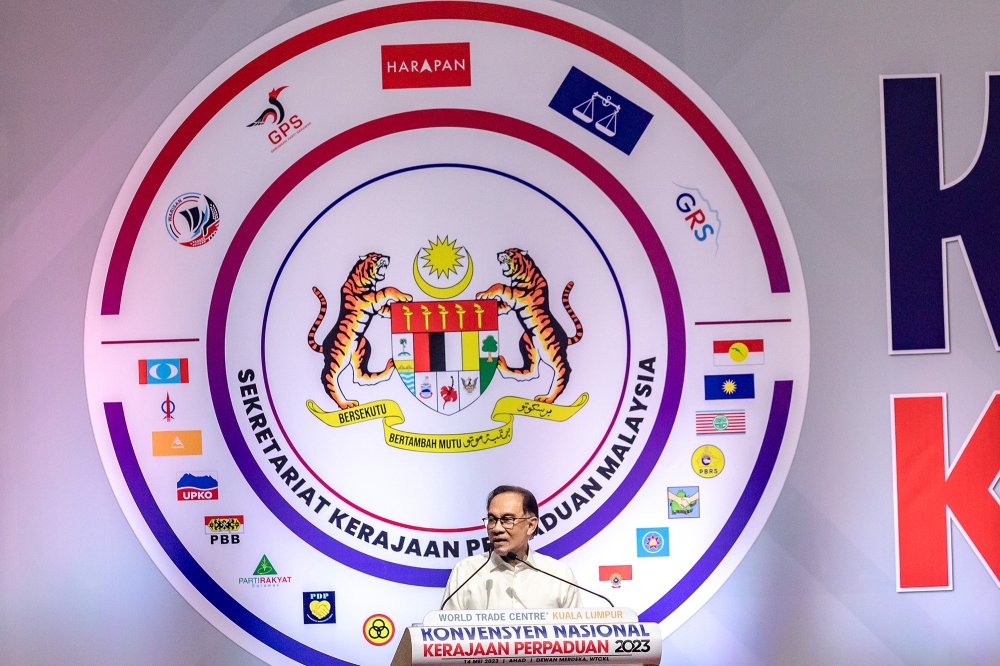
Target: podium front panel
[(532, 636)]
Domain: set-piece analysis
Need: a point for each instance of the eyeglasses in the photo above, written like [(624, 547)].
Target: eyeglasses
[(506, 522)]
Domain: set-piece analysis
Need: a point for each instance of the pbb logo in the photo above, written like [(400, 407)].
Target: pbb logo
[(198, 486), (224, 529), (426, 65)]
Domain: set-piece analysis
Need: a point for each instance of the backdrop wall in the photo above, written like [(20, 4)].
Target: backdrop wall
[(85, 88)]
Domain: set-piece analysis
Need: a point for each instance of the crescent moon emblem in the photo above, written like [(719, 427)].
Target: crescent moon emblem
[(442, 292)]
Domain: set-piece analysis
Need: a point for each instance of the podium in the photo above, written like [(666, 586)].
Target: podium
[(531, 636)]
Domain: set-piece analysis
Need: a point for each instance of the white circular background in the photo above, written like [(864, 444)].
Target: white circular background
[(333, 87)]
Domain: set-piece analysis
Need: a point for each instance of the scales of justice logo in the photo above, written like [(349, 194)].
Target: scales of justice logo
[(446, 350)]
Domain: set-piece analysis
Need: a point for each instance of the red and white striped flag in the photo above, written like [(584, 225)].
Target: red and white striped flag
[(732, 422)]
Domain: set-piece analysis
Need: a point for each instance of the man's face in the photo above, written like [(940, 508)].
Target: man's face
[(515, 539)]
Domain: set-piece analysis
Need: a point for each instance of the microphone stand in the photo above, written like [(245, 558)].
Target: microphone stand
[(489, 556), (512, 556)]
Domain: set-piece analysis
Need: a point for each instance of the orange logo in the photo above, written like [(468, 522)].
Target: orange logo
[(177, 443)]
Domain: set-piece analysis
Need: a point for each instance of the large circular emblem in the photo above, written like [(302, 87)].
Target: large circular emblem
[(453, 245)]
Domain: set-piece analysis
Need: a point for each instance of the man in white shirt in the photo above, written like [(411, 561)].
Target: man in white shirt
[(498, 580)]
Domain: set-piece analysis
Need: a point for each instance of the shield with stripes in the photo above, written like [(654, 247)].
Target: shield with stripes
[(445, 351)]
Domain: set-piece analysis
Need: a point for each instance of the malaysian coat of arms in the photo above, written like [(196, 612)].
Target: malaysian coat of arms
[(445, 350)]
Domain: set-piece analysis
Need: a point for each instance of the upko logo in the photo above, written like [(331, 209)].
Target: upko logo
[(426, 65), (192, 219), (197, 486), (224, 530), (280, 128)]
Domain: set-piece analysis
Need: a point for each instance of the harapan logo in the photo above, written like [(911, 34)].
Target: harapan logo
[(446, 352), (426, 65)]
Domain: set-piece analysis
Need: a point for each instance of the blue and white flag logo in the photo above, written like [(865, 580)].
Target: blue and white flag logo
[(600, 110)]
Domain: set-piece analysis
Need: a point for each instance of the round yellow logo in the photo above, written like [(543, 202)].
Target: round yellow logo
[(739, 352), (379, 629), (708, 461)]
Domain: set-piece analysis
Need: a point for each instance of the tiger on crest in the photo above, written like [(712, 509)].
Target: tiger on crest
[(527, 296), (345, 344)]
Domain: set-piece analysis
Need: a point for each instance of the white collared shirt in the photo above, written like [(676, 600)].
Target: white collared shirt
[(500, 585)]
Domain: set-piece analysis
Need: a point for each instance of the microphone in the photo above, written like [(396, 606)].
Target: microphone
[(511, 556), (488, 558)]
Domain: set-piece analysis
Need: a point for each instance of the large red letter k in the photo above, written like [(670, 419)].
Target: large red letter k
[(930, 492)]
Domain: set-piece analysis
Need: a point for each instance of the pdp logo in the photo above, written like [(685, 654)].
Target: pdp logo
[(192, 219), (319, 608)]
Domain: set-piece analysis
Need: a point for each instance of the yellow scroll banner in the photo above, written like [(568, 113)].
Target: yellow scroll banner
[(504, 411)]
